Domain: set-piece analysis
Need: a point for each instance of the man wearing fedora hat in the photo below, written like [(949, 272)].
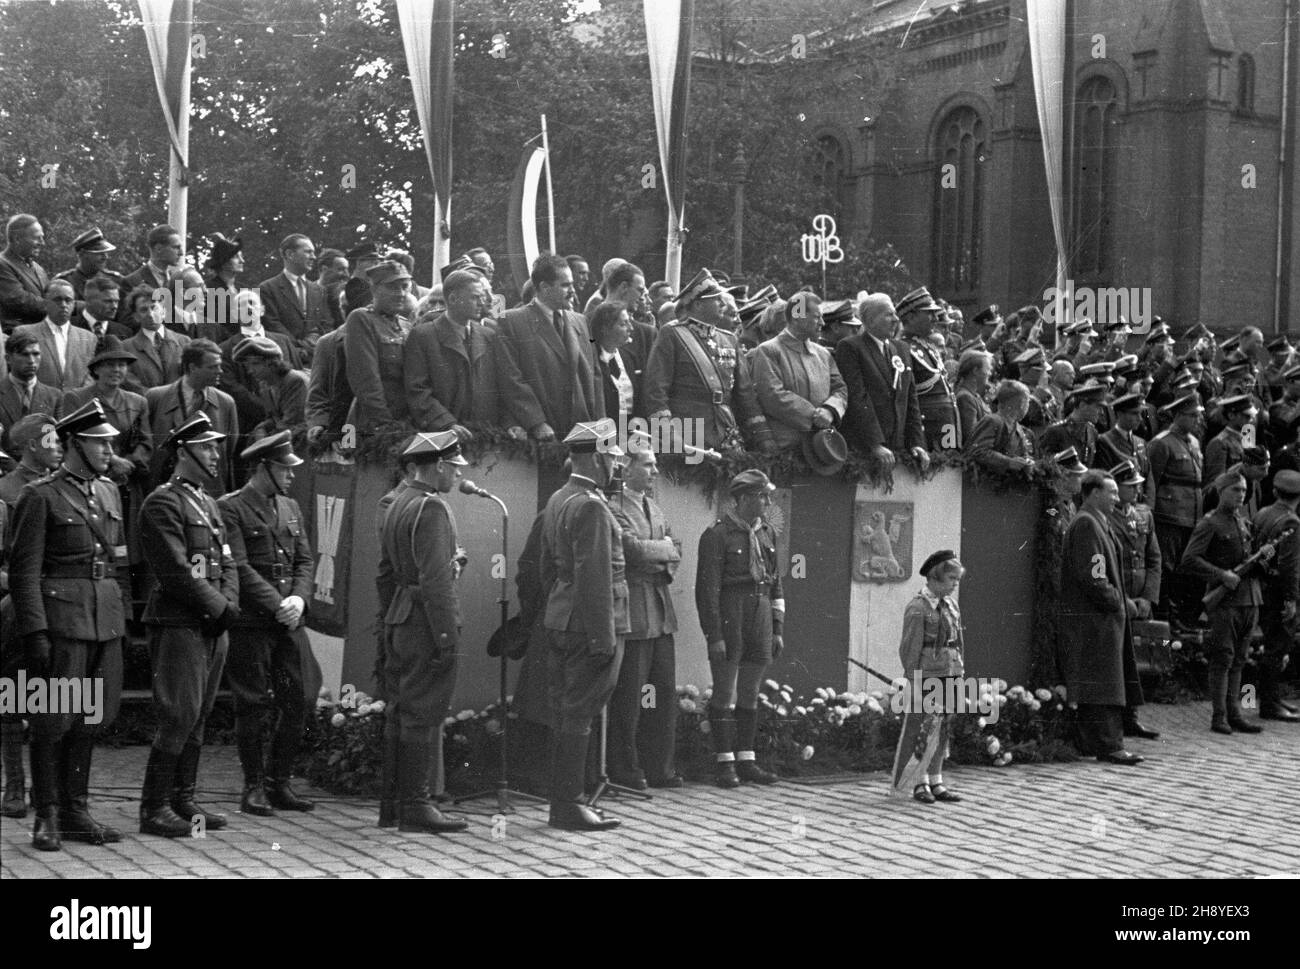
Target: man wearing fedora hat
[(797, 382), (92, 251), (68, 578), (193, 603), (268, 540)]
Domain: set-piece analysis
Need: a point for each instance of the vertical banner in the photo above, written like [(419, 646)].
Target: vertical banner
[(167, 25), (427, 34), (330, 515), (521, 218), (669, 28), (1047, 42)]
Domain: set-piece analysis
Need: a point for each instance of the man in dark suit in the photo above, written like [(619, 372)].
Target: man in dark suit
[(450, 372), (642, 735), (23, 280), (65, 349), (171, 405), (545, 370), (165, 252), (884, 415), (21, 393), (157, 351), (98, 314), (293, 304), (92, 251), (329, 396)]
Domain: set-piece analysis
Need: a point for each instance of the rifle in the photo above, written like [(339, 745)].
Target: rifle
[(1216, 595)]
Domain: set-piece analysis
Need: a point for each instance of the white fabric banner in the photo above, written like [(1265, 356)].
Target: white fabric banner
[(1047, 54), (663, 33), (417, 22)]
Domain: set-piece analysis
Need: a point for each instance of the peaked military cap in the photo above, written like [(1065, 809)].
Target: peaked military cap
[(1279, 344), (702, 286), (917, 299), (1091, 390), (1231, 343), (367, 250), (587, 437), (276, 448), (1068, 460), (1080, 327), (1032, 357), (1237, 402), (1159, 334), (1235, 365), (1118, 323), (196, 430), (1197, 331), (1102, 368), (1291, 373), (435, 446), (989, 316), (749, 482), (1126, 473), (1188, 402), (88, 420), (839, 311), (459, 264), (92, 240), (387, 271), (1128, 402), (1287, 482)]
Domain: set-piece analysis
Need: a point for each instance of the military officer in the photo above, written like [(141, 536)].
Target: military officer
[(695, 372), (742, 610), (1228, 446), (92, 251), (1219, 544), (1174, 493), (192, 605), (264, 665), (1281, 589), (586, 615), (1121, 442), (1043, 409), (920, 316), (642, 737), (422, 561), (1134, 530), (71, 591), (1079, 428)]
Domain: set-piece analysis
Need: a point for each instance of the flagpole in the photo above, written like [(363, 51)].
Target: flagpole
[(550, 191), (441, 240)]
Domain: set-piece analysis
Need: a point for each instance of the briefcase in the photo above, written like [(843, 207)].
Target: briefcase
[(1151, 646)]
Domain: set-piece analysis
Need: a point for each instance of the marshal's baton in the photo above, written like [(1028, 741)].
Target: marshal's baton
[(864, 666)]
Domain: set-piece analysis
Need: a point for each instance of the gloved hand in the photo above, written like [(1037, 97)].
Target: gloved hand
[(36, 648)]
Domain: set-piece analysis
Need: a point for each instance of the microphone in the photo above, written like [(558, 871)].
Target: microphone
[(470, 488)]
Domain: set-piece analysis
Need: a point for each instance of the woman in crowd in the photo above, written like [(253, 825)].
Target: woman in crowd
[(282, 391), (973, 372), (611, 331), (931, 652)]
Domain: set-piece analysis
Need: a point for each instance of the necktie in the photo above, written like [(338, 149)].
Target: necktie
[(558, 320), (27, 401), (301, 289), (645, 506), (614, 368)]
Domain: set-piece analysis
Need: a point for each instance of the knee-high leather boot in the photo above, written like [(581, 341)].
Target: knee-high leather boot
[(75, 822), (45, 793), (11, 748), (156, 815), (186, 782), (417, 811), (248, 737)]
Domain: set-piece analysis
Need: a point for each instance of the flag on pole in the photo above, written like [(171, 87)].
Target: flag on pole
[(1047, 56), (427, 34), (669, 27), (167, 25), (521, 219)]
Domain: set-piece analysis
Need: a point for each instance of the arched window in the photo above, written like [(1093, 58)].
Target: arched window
[(1246, 84), (830, 162), (1094, 177), (958, 202)]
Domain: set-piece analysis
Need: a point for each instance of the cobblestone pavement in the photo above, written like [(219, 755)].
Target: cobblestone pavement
[(1201, 805)]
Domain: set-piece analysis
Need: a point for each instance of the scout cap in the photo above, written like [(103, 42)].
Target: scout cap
[(1126, 473), (1068, 460), (196, 430), (702, 286), (434, 446), (935, 560), (256, 346), (588, 437), (277, 448), (917, 299), (88, 420), (1233, 474), (749, 482), (92, 240), (387, 271)]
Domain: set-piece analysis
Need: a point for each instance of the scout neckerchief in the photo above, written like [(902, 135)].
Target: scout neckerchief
[(694, 344), (946, 608), (757, 561)]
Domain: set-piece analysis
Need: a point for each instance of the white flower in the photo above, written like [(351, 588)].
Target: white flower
[(787, 688), (1007, 757), (854, 710), (338, 720), (877, 694), (705, 726), (845, 697), (378, 706), (987, 688), (687, 704), (465, 715), (1176, 644), (1001, 685), (898, 685), (1015, 693), (772, 685), (364, 710), (860, 698), (1035, 705), (1060, 691), (781, 711), (692, 691), (449, 722), (994, 745), (817, 702), (874, 705), (802, 711), (1042, 694), (822, 694), (983, 723), (807, 752), (1060, 706), (785, 695), (707, 694)]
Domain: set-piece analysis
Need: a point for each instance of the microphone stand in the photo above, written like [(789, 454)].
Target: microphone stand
[(504, 793)]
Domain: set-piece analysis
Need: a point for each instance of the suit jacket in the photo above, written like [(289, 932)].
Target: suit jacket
[(792, 379), (45, 400), (996, 440), (81, 348), (1094, 626), (450, 380), (284, 315), (159, 364), (22, 291), (144, 277), (881, 412), (81, 321), (650, 554), (166, 414), (542, 378), (329, 396)]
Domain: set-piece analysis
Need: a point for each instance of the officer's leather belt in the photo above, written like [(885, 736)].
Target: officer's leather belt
[(278, 571), (719, 397), (79, 570), (760, 588)]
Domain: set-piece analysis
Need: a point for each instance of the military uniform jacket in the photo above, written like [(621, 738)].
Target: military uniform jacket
[(1175, 480), (674, 383), (271, 552), (67, 565), (418, 535), (186, 546), (12, 484), (930, 374), (648, 549), (583, 567), (77, 279), (724, 563), (1134, 529), (373, 347), (1044, 410), (1223, 451), (1282, 581), (1080, 435), (1220, 542), (1115, 446)]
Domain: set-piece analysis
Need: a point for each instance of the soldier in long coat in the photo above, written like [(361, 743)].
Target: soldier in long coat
[(1133, 528)]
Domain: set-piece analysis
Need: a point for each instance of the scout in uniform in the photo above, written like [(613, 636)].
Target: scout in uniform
[(1220, 543), (71, 594), (1174, 489), (194, 601), (1134, 531), (92, 251), (920, 315), (1079, 429), (421, 561), (264, 665), (586, 615), (1281, 590), (742, 611)]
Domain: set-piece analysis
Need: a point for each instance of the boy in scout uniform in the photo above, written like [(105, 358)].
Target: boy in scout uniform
[(264, 665), (71, 592), (422, 626), (586, 616), (194, 601), (1134, 531), (742, 610)]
